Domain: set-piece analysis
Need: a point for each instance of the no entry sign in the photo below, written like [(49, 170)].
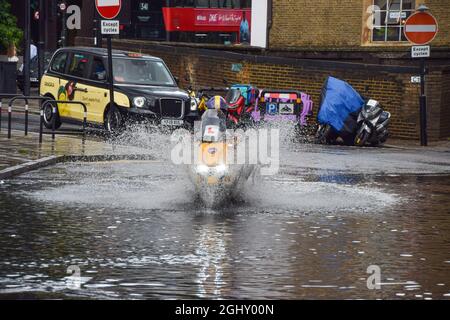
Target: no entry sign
[(421, 28), (108, 9)]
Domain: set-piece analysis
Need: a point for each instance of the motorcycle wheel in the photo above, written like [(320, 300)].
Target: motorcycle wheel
[(324, 135), (361, 138)]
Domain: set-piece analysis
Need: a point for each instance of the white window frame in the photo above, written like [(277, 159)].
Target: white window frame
[(385, 24)]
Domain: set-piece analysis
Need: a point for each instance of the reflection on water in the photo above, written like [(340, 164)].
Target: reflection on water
[(135, 230), (212, 248)]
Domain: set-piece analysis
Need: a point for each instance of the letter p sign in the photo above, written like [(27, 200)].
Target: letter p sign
[(272, 108)]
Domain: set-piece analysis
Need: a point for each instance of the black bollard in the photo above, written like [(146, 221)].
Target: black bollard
[(41, 127), (0, 114), (9, 121), (84, 125), (26, 119), (53, 122)]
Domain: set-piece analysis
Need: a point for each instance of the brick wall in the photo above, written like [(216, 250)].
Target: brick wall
[(441, 11), (338, 24), (318, 23), (391, 85), (445, 105)]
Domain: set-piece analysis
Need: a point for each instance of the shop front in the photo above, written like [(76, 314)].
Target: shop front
[(198, 21)]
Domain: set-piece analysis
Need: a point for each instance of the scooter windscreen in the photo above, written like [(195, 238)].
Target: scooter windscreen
[(213, 126), (233, 96)]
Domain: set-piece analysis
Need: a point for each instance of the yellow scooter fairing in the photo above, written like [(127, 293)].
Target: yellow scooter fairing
[(212, 167), (213, 154)]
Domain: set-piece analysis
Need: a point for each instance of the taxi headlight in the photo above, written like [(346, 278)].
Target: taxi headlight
[(139, 102), (194, 104)]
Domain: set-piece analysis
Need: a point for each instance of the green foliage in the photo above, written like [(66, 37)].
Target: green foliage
[(9, 33)]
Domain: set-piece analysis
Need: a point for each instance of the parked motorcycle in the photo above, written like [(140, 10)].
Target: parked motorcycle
[(241, 101), (373, 124), (344, 114), (338, 112), (203, 95)]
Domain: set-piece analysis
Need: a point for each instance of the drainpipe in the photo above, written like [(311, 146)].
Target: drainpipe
[(26, 51), (41, 46), (167, 32), (269, 20)]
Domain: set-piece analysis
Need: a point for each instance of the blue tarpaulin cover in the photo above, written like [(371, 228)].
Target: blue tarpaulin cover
[(338, 101)]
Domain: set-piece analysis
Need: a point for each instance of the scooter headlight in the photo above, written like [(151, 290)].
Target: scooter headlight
[(221, 169), (139, 102), (202, 169), (194, 104)]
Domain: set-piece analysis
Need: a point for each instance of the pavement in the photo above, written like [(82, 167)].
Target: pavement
[(21, 149)]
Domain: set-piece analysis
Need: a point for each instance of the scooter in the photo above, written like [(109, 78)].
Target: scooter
[(373, 124), (214, 173)]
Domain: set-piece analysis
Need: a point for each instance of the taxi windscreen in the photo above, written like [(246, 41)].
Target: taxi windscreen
[(141, 72)]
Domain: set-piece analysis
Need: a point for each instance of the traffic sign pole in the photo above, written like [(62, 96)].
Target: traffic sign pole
[(111, 76), (109, 9), (41, 46), (423, 105), (26, 56), (63, 9), (420, 29)]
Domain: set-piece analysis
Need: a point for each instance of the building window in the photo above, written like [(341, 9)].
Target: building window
[(183, 3), (389, 19)]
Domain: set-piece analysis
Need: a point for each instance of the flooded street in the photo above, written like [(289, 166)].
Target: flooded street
[(136, 229)]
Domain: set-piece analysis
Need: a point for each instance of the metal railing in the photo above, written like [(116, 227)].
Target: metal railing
[(3, 96), (14, 97), (10, 105)]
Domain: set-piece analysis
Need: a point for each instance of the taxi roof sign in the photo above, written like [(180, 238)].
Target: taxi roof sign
[(134, 55)]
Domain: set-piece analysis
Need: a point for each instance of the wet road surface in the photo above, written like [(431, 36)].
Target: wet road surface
[(137, 230)]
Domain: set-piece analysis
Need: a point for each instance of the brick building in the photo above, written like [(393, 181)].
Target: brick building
[(341, 30), (325, 24), (309, 40)]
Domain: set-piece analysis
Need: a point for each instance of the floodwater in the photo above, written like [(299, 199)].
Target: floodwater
[(136, 230)]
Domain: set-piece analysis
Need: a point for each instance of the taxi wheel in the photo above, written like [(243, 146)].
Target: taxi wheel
[(113, 120), (48, 117)]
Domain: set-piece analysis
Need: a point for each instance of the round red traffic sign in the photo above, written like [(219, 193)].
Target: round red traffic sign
[(108, 9), (421, 28)]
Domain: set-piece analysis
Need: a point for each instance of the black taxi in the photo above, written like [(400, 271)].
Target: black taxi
[(144, 88)]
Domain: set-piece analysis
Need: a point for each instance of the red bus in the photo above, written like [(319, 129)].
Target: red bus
[(198, 21)]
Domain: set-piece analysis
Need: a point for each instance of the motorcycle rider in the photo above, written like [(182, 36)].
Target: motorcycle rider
[(216, 109)]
